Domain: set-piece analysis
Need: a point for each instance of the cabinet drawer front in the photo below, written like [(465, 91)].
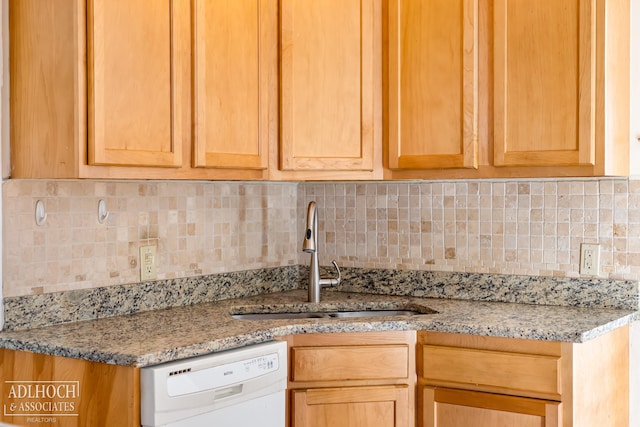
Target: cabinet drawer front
[(496, 369), (339, 363)]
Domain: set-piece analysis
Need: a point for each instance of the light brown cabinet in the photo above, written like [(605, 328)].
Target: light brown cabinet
[(52, 391), (380, 406), (432, 79), (561, 84), (329, 96), (495, 88), (190, 90), (544, 83), (466, 379), (460, 408), (325, 90), (348, 379), (128, 112), (137, 57), (235, 83)]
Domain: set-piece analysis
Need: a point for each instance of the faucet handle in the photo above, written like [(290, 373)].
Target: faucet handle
[(332, 282), (337, 279)]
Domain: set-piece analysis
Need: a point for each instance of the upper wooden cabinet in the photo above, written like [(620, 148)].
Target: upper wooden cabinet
[(235, 82), (320, 89), (128, 113), (47, 96), (329, 96), (549, 73), (433, 84), (136, 57), (542, 84)]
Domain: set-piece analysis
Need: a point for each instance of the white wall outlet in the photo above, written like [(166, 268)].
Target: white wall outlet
[(148, 263), (590, 259)]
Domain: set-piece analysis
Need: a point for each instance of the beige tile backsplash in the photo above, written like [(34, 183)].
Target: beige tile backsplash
[(531, 227), (198, 227)]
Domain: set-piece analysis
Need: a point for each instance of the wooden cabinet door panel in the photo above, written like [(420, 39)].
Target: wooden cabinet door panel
[(235, 86), (544, 82), (327, 86), (457, 408), (433, 84), (44, 92), (382, 406), (136, 57)]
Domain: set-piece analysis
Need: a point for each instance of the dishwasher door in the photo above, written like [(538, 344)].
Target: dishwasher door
[(265, 411), (233, 388)]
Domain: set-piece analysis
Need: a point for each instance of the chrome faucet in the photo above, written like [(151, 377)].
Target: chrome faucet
[(310, 245)]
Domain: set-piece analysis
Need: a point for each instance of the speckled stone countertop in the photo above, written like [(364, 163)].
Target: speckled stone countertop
[(157, 336)]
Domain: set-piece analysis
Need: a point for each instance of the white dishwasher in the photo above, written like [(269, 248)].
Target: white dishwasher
[(234, 388)]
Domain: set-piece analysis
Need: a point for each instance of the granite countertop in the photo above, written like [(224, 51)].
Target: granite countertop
[(157, 336)]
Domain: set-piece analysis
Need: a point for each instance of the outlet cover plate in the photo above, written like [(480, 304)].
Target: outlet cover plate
[(590, 259), (148, 263)]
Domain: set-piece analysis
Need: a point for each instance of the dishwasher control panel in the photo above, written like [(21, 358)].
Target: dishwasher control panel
[(208, 378)]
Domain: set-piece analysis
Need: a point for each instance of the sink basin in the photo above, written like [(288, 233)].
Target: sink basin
[(325, 315)]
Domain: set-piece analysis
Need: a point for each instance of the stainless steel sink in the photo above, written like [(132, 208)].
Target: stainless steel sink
[(325, 315)]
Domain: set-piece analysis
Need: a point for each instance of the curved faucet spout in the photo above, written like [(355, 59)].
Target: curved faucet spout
[(309, 245)]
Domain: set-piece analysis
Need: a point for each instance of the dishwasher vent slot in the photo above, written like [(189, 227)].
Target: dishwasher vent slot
[(181, 371)]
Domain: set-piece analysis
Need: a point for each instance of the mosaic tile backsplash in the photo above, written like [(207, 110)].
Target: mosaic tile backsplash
[(199, 228), (528, 227)]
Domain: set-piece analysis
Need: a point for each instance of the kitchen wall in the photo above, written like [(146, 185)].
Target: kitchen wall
[(531, 227)]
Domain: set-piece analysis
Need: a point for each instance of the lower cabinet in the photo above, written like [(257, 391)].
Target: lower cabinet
[(474, 381), (51, 391), (459, 408), (366, 380), (352, 379), (381, 406)]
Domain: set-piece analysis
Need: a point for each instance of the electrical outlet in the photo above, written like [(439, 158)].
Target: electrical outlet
[(590, 259), (148, 263)]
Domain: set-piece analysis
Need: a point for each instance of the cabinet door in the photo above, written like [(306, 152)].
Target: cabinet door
[(137, 55), (44, 93), (383, 406), (432, 84), (544, 82), (458, 408), (235, 82), (327, 88)]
